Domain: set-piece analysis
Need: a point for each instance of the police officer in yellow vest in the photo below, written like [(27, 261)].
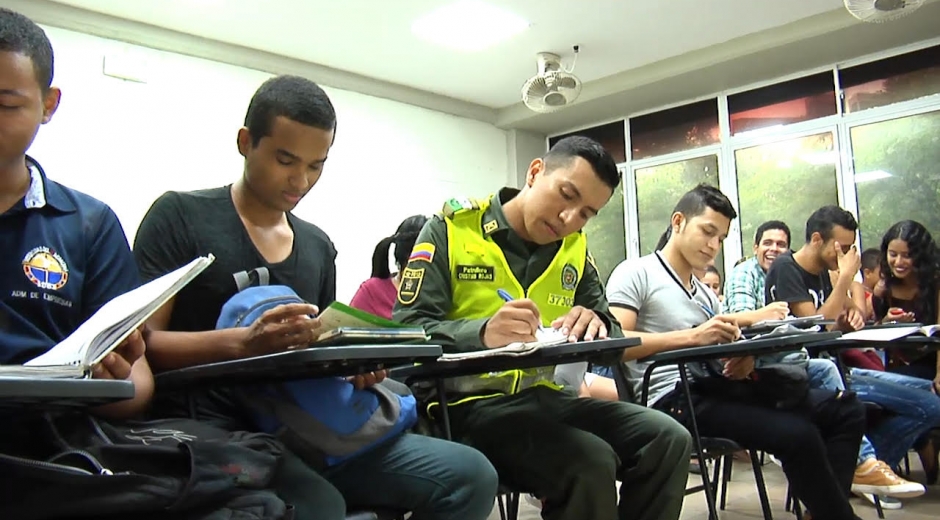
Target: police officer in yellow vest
[(541, 438)]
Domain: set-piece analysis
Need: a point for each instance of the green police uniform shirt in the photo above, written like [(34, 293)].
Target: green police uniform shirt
[(426, 292)]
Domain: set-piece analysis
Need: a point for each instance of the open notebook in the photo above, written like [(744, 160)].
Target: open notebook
[(544, 337), (106, 329), (890, 333), (344, 325)]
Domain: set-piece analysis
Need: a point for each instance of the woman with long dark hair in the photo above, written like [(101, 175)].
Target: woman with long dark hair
[(377, 294), (908, 291), (910, 272)]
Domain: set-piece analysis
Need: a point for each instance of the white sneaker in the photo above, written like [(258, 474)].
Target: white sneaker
[(533, 501)]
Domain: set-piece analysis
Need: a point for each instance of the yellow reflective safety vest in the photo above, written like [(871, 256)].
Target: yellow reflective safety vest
[(478, 268)]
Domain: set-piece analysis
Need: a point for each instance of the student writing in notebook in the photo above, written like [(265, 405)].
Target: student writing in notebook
[(251, 229), (567, 451), (64, 252), (658, 299)]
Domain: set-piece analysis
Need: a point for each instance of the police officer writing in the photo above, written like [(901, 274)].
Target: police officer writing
[(541, 437)]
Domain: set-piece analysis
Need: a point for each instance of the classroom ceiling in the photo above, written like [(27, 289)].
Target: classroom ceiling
[(635, 55), (374, 37)]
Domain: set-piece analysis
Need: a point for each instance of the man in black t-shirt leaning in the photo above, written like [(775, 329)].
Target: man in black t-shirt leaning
[(256, 239), (802, 278)]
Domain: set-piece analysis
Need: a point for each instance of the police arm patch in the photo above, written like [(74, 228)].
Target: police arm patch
[(411, 280)]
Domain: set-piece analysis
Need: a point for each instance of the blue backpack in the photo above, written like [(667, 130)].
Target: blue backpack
[(323, 421)]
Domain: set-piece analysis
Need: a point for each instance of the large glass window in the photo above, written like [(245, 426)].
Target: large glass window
[(606, 236), (658, 189), (785, 180), (892, 80), (675, 129), (897, 174), (793, 101)]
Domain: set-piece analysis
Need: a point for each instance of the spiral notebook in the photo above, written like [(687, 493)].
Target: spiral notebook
[(106, 329), (544, 337)]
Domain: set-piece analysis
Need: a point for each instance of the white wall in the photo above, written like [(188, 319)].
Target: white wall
[(126, 143)]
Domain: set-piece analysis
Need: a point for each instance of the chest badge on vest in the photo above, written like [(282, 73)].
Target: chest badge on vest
[(569, 277), (476, 273), (46, 269), (410, 285)]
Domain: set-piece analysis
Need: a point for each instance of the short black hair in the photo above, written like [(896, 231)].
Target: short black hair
[(712, 269), (567, 149), (767, 226), (871, 257), (293, 97), (827, 217), (703, 196), (21, 35)]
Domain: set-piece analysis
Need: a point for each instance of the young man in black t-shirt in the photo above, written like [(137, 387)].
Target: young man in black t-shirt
[(256, 239), (802, 278)]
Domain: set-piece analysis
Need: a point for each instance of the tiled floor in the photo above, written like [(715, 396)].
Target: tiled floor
[(744, 505)]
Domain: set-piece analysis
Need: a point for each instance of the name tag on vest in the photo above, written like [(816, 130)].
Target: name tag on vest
[(476, 273)]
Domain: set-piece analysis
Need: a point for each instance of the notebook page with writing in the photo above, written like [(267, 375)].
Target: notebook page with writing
[(544, 337)]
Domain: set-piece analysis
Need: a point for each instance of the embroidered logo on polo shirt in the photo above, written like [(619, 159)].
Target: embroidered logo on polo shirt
[(46, 269)]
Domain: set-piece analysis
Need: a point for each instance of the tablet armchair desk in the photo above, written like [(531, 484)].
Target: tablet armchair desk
[(751, 347), (310, 363), (545, 356), (46, 394)]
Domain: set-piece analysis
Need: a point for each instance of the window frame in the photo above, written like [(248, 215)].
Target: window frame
[(840, 124)]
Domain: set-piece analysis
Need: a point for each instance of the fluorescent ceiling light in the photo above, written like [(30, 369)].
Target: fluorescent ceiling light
[(468, 25), (873, 175)]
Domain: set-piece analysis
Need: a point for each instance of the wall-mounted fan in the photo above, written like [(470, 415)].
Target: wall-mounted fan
[(553, 88), (881, 10)]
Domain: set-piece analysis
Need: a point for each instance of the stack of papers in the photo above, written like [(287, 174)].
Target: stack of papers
[(544, 337)]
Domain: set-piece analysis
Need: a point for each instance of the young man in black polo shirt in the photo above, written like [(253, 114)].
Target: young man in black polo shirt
[(249, 227), (64, 253)]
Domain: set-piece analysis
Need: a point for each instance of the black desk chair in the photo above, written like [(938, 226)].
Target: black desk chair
[(507, 498), (300, 364), (718, 449)]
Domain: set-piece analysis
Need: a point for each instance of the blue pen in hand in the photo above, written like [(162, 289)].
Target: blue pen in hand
[(504, 295)]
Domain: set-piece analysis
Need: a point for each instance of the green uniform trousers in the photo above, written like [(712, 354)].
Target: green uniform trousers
[(570, 452)]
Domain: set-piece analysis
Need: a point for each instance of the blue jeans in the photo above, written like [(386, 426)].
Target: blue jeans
[(824, 374), (913, 410), (433, 478)]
